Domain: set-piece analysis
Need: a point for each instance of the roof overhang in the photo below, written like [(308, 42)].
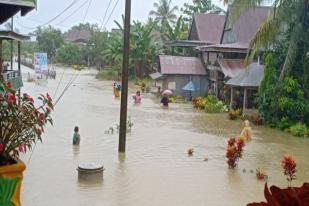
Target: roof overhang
[(225, 48), (187, 43), (9, 8), (10, 35)]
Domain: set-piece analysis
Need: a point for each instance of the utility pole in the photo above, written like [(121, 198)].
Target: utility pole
[(12, 29), (124, 84)]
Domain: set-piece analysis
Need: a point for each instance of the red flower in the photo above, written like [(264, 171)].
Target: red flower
[(49, 97), (39, 131), (21, 148), (289, 167), (1, 147), (48, 110), (9, 85), (11, 98)]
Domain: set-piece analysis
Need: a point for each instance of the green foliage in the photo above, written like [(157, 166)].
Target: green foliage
[(299, 130), (210, 104), (200, 7), (49, 40), (69, 54), (283, 124), (110, 73), (7, 190), (164, 13)]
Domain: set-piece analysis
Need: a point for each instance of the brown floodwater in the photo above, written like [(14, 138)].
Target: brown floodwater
[(156, 169)]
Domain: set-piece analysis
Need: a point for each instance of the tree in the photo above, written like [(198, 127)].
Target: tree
[(285, 14), (201, 7), (49, 40), (164, 13), (69, 54)]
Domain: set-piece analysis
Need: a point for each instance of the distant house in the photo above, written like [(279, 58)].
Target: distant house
[(232, 49), (176, 72), (77, 36)]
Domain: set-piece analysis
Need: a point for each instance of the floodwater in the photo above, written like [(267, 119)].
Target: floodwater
[(156, 169)]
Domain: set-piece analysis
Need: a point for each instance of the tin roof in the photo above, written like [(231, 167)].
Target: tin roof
[(209, 27), (78, 36), (9, 8), (10, 35), (246, 26), (233, 47), (250, 77), (181, 65), (231, 67)]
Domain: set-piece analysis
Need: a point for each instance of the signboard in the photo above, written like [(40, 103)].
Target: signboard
[(40, 63)]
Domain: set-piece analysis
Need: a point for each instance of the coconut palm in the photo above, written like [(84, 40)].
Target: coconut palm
[(284, 14), (164, 12)]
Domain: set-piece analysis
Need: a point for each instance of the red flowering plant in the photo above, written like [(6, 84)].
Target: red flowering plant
[(234, 151), (289, 168), (22, 122)]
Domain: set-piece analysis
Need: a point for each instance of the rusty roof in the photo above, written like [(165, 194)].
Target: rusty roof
[(181, 65), (250, 77), (231, 67), (246, 26), (209, 27), (78, 36)]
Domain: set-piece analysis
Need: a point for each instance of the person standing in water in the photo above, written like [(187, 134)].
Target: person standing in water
[(116, 90), (247, 131), (137, 98), (164, 100), (76, 136)]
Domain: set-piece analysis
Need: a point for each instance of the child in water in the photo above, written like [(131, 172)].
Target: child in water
[(76, 136), (137, 98), (247, 131)]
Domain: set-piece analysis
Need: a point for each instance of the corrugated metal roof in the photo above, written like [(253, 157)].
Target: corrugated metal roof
[(181, 65), (247, 25), (231, 67), (250, 77), (156, 75), (9, 8), (233, 47), (209, 27), (78, 36)]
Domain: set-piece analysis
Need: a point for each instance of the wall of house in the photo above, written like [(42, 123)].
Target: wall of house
[(176, 82)]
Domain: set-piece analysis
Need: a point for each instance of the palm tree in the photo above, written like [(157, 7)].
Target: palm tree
[(164, 13), (284, 14)]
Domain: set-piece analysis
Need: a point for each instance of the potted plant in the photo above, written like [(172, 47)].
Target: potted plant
[(22, 123)]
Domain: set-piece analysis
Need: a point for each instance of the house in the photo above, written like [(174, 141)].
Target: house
[(232, 49), (78, 36), (177, 71), (7, 10)]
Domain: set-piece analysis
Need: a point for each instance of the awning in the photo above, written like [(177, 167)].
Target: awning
[(231, 67), (10, 35), (225, 48), (156, 76), (250, 77), (187, 43), (9, 8)]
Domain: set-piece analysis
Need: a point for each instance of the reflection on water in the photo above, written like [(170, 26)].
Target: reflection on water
[(156, 169)]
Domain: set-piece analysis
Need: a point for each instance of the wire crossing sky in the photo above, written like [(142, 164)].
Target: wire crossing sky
[(63, 14)]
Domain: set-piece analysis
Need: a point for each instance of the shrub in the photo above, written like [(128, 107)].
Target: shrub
[(232, 115), (234, 151), (298, 130), (284, 124)]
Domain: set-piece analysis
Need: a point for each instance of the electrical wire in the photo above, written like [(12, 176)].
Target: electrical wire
[(57, 16), (111, 14), (76, 10), (109, 4), (87, 11)]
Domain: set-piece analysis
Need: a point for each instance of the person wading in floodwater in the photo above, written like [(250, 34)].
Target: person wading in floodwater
[(164, 100), (76, 136), (137, 98), (247, 131)]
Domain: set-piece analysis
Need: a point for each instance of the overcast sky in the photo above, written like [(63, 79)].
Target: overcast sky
[(48, 9)]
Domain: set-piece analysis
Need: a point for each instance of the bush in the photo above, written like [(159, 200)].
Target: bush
[(232, 115), (107, 74), (298, 129), (283, 124)]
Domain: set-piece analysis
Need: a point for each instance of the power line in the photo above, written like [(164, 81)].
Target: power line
[(57, 16), (76, 10), (111, 14), (87, 10), (109, 4)]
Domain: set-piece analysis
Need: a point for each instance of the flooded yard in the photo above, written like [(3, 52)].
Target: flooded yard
[(156, 169)]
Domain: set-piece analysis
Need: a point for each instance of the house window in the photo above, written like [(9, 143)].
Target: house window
[(172, 85)]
